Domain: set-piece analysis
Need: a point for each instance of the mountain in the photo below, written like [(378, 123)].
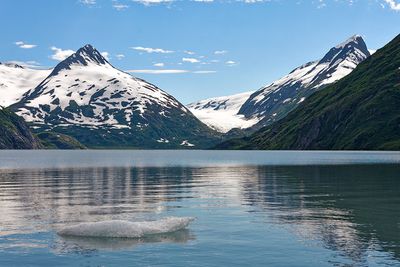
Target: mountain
[(87, 98), (16, 80), (15, 133), (276, 100), (221, 113), (359, 112)]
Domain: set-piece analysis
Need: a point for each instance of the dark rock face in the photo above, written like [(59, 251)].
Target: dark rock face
[(15, 133)]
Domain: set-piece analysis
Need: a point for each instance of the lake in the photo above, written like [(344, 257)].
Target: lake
[(251, 208)]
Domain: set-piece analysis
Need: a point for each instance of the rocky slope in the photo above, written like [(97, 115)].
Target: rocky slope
[(15, 133)]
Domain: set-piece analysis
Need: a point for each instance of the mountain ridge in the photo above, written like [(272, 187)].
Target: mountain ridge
[(273, 101), (359, 112)]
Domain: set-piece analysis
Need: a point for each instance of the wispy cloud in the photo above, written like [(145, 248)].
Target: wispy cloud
[(159, 64), (153, 2), (88, 2), (120, 56), (60, 54), (158, 71), (220, 52), (231, 63), (190, 60), (23, 45), (170, 71), (118, 6), (204, 71), (106, 55), (152, 50), (393, 4)]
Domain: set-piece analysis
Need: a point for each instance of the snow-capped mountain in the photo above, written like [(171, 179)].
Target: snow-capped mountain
[(275, 100), (16, 80), (86, 97), (221, 113)]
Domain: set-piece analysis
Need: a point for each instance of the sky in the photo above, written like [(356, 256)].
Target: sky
[(193, 49)]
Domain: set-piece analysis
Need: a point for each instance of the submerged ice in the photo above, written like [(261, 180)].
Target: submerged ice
[(126, 229)]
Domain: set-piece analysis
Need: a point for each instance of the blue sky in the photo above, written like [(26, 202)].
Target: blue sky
[(193, 49)]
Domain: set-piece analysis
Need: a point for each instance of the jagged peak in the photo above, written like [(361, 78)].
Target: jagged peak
[(83, 56), (354, 45), (353, 39)]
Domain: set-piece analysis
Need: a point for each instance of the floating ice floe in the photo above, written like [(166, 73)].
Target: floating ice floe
[(126, 229)]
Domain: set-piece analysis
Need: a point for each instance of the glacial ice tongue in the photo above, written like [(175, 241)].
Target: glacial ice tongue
[(126, 229)]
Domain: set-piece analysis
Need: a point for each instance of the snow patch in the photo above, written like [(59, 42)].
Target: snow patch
[(186, 143)]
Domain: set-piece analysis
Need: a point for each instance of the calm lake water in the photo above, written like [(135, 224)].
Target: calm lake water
[(251, 208)]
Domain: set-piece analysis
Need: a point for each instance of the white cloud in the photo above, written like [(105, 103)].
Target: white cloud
[(190, 60), (171, 71), (60, 54), (120, 56), (106, 55), (204, 71), (220, 52), (88, 2), (189, 52), (231, 63), (152, 50), (153, 2), (159, 64), (158, 71), (393, 4), (118, 6), (23, 45)]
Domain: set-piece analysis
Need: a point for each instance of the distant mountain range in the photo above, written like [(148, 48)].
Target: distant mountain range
[(274, 101), (85, 97), (346, 100), (359, 112)]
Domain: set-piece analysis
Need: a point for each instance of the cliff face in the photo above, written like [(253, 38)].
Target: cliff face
[(15, 133)]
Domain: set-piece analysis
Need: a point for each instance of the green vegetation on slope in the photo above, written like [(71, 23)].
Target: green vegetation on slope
[(15, 133), (359, 112), (51, 140)]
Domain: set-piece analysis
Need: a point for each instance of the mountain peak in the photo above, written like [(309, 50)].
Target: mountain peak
[(355, 39), (88, 49), (84, 56), (354, 47)]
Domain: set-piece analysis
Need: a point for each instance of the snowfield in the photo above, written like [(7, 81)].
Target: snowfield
[(220, 113), (16, 80)]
